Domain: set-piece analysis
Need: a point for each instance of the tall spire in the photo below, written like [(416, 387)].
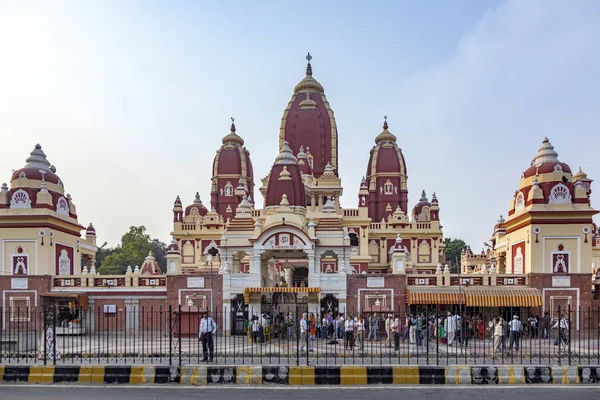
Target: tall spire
[(308, 84), (385, 135), (308, 66), (233, 137)]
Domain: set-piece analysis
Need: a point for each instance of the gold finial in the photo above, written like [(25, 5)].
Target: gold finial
[(308, 66), (232, 124), (385, 124)]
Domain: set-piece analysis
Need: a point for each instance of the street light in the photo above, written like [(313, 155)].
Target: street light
[(212, 252)]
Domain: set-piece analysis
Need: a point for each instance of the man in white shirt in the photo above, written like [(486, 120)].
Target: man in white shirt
[(515, 332), (388, 330), (208, 328), (304, 329), (450, 328)]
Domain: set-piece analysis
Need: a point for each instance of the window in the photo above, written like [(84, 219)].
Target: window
[(389, 188), (19, 309), (353, 239), (228, 189)]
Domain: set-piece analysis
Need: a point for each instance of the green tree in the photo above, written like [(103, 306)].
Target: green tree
[(452, 252), (134, 248)]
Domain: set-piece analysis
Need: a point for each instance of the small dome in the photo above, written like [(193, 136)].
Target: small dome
[(423, 202), (285, 180), (150, 266), (232, 137), (385, 135), (177, 202), (309, 83), (173, 248), (546, 161), (580, 176), (196, 205), (90, 231), (37, 167)]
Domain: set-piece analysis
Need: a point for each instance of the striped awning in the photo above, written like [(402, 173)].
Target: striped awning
[(251, 290), (435, 295), (503, 297)]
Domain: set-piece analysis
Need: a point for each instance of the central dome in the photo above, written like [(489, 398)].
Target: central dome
[(308, 123)]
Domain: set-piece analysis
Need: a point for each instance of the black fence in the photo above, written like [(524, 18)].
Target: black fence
[(277, 335)]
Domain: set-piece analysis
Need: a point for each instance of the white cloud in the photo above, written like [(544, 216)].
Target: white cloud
[(473, 124)]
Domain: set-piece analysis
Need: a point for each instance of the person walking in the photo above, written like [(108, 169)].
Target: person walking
[(208, 328), (349, 331), (389, 322), (515, 332), (546, 325), (450, 328), (497, 334), (373, 328), (360, 332), (396, 332), (304, 333)]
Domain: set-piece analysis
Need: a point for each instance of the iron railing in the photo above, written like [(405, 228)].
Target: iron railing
[(169, 336)]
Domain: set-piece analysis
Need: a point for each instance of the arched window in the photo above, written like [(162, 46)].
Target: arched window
[(228, 189), (519, 202), (388, 187)]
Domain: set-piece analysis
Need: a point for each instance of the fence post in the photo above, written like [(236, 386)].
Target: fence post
[(569, 344), (170, 336), (179, 332)]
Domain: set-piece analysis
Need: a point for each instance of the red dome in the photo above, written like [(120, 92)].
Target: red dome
[(173, 248), (308, 121), (90, 231), (231, 163), (196, 205), (423, 202), (386, 176), (37, 168), (546, 161), (285, 178)]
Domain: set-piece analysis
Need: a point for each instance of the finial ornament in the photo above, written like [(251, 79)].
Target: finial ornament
[(308, 57)]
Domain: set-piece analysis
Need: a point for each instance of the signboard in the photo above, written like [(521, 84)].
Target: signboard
[(195, 282), (375, 282), (19, 283), (561, 281)]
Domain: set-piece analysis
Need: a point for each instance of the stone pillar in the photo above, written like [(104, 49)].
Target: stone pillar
[(92, 314), (132, 319), (255, 263), (289, 273)]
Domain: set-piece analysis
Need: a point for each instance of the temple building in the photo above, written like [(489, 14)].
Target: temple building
[(301, 250), (302, 238)]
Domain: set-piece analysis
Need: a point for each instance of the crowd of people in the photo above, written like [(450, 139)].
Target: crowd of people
[(450, 328)]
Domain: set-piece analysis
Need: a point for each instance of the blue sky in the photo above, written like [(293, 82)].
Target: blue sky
[(131, 99)]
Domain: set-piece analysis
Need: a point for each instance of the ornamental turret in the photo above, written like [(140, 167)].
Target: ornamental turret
[(308, 122), (233, 176), (386, 177)]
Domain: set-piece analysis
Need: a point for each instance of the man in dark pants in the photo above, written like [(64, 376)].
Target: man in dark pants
[(208, 328)]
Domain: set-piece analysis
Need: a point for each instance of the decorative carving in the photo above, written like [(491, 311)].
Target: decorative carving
[(558, 168), (20, 261), (22, 175), (20, 199), (519, 202), (62, 206), (518, 261), (389, 188), (560, 194), (64, 263), (228, 189)]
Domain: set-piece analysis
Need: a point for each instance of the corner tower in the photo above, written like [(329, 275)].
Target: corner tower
[(233, 176), (386, 177), (308, 123)]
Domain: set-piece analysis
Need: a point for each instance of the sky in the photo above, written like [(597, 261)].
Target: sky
[(130, 100)]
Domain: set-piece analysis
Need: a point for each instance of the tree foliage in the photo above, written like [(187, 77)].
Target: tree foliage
[(133, 249), (452, 252)]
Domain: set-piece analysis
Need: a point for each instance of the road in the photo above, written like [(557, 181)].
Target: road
[(71, 392)]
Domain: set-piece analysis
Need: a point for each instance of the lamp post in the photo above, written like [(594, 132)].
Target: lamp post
[(209, 259)]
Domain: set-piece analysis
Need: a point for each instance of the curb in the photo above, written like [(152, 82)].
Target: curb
[(300, 375)]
